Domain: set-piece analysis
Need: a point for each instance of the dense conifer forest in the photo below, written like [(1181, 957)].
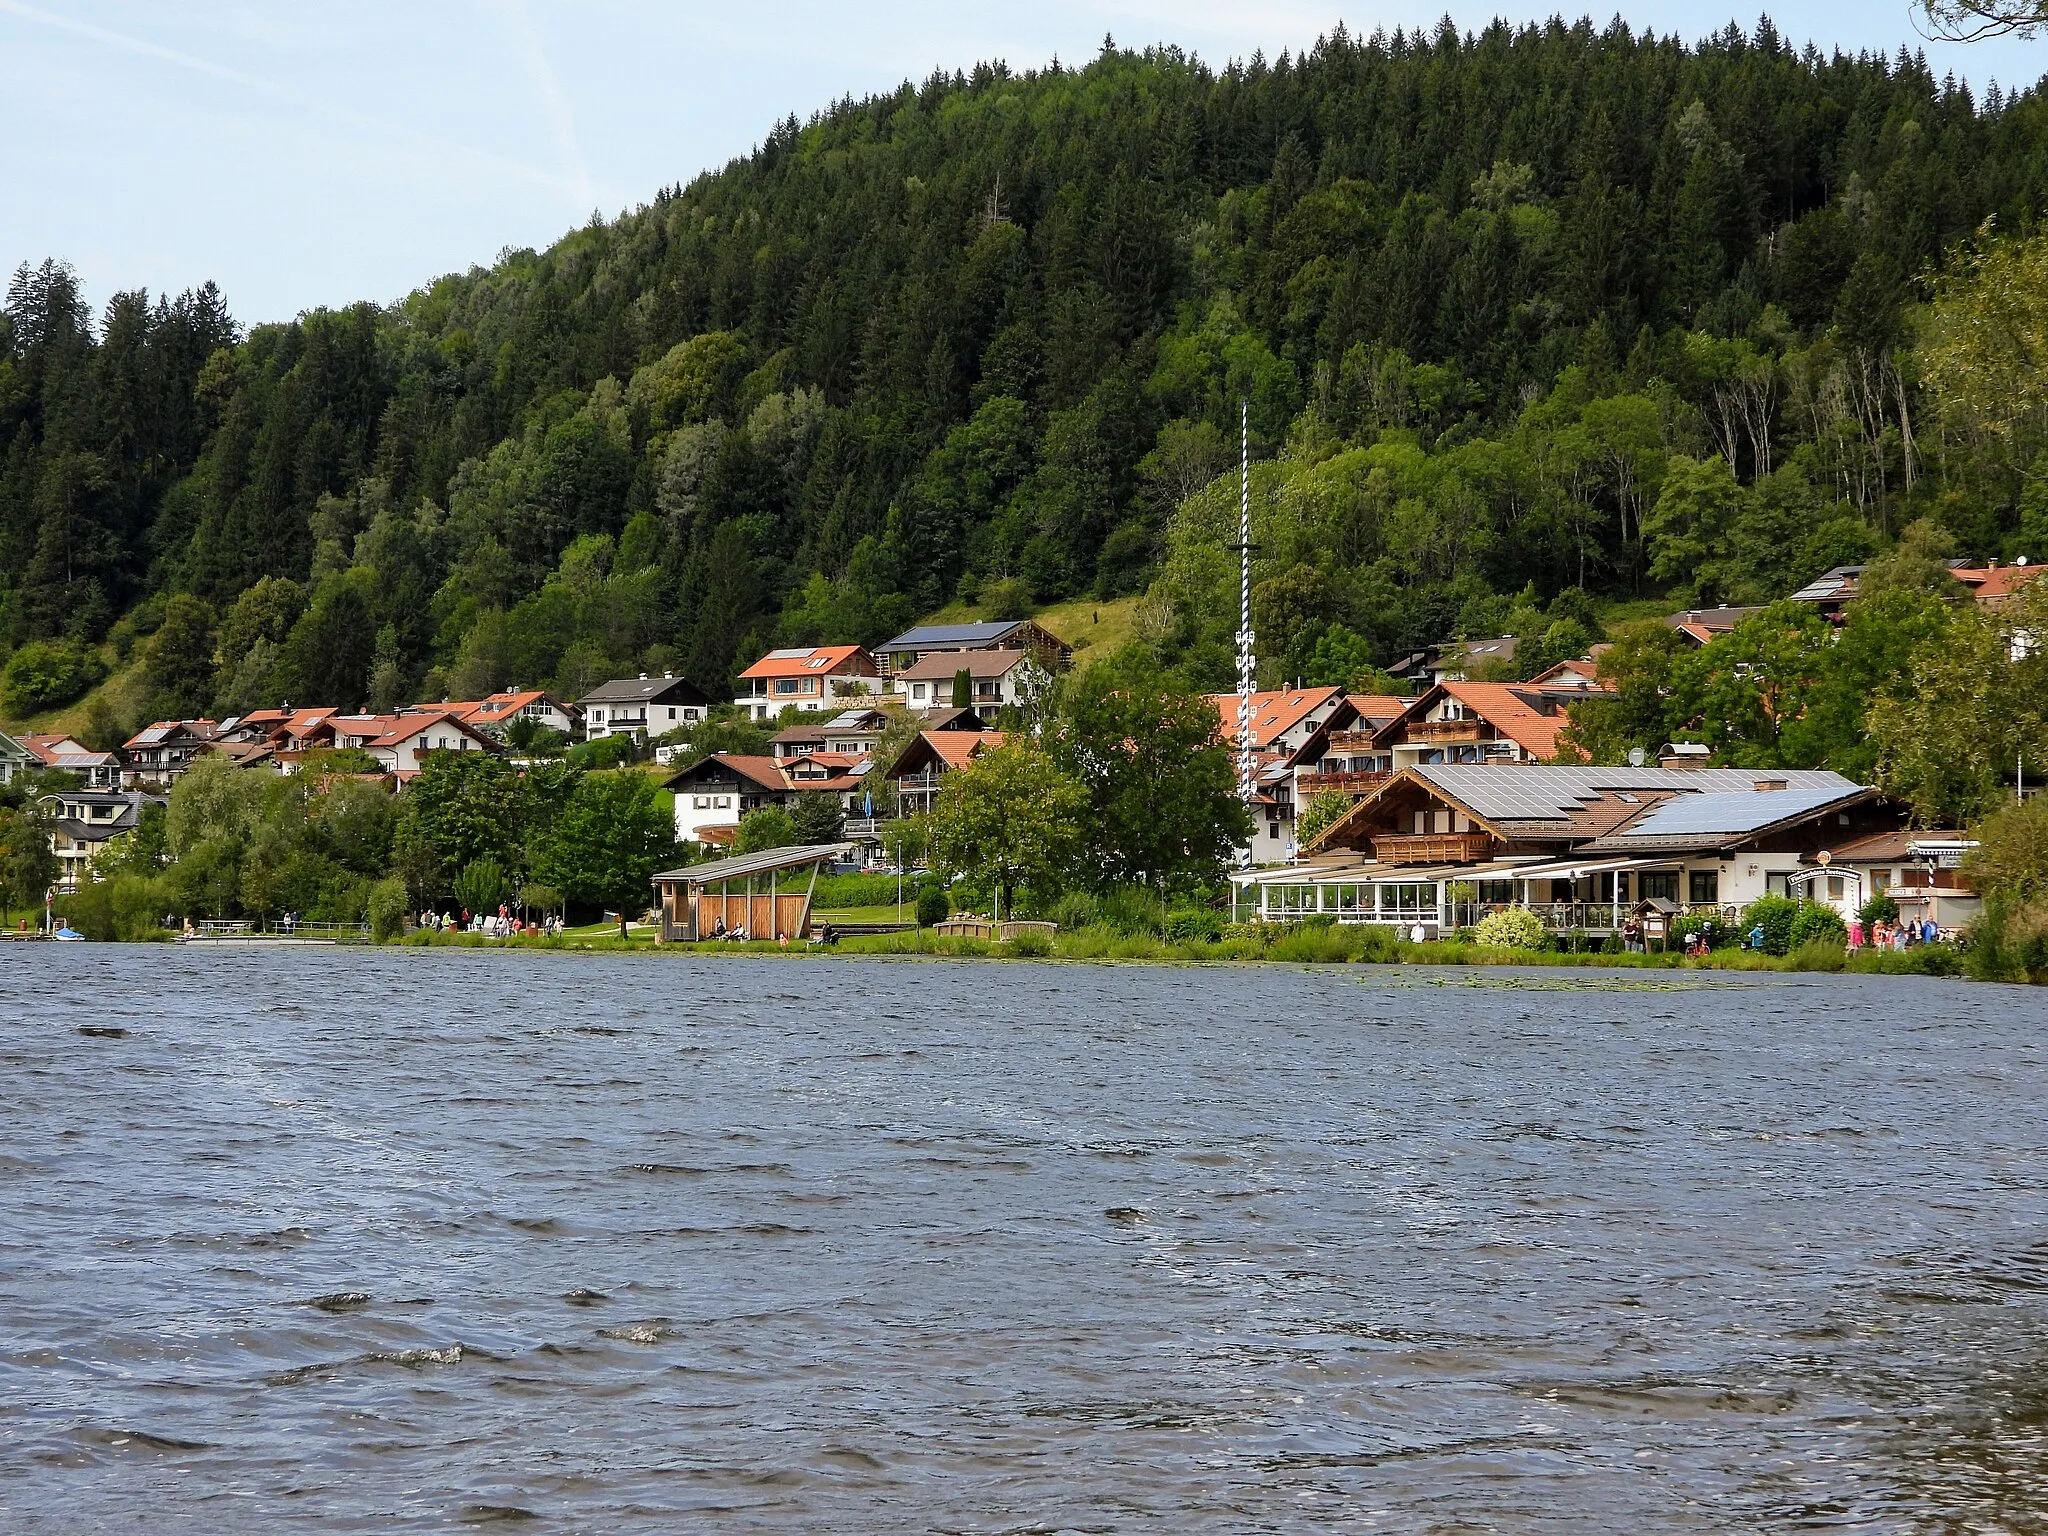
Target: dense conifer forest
[(1535, 324)]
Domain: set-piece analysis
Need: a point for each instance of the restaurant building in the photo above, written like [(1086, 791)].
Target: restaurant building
[(1437, 846)]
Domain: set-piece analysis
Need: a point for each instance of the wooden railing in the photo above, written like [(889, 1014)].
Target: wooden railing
[(1448, 730), (1432, 847), (1363, 782), (1352, 741)]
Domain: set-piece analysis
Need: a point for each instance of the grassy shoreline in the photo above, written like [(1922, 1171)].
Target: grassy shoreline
[(1321, 946)]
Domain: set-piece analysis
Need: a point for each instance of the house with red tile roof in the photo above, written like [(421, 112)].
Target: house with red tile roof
[(402, 743), (1700, 626), (929, 757), (496, 712), (1992, 584), (1479, 723), (97, 770), (713, 793), (1282, 718), (810, 678), (160, 753)]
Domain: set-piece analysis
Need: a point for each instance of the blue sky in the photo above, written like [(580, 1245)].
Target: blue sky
[(312, 153)]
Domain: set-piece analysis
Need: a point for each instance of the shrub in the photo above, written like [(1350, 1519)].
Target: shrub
[(605, 752), (1611, 945), (1032, 944), (1511, 928), (1815, 922), (1879, 909), (387, 910), (2008, 941), (128, 907), (1187, 924), (1773, 914), (1719, 935), (46, 673), (1074, 911), (931, 904)]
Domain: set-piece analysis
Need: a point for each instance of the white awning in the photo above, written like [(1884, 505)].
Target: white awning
[(1577, 869), (1374, 872)]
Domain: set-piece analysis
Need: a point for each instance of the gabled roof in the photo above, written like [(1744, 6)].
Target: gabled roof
[(497, 708), (943, 749), (244, 754), (939, 665), (1466, 652), (950, 717), (859, 720), (1274, 713), (172, 732), (394, 730), (1376, 707), (1831, 586), (644, 690), (61, 751), (1991, 584), (930, 636), (813, 661), (1506, 707), (762, 772), (1618, 808), (1566, 673), (1708, 621), (1555, 792)]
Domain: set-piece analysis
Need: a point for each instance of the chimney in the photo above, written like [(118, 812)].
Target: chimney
[(1766, 786)]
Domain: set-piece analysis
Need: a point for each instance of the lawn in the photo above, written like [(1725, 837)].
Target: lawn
[(1093, 629)]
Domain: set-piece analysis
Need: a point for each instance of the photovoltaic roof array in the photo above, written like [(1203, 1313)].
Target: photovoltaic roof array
[(1541, 792), (1741, 811)]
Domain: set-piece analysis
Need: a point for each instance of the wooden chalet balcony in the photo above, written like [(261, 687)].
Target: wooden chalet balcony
[(1432, 847), (1363, 782), (1448, 730), (1351, 741)]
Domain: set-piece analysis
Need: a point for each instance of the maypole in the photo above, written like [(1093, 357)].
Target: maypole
[(1245, 663)]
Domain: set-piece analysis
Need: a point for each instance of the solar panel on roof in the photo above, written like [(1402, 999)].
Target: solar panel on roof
[(1740, 811), (941, 634), (796, 655), (1546, 792)]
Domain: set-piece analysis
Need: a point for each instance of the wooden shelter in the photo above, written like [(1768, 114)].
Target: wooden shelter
[(754, 893)]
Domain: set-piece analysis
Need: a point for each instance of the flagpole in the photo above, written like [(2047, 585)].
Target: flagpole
[(1245, 661)]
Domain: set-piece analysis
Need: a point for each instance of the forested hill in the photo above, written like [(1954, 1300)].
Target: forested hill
[(986, 337)]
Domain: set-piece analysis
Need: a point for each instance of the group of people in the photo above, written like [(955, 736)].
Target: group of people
[(501, 924), (1906, 933)]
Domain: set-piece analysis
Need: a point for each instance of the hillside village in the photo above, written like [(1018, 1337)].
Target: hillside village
[(1458, 793)]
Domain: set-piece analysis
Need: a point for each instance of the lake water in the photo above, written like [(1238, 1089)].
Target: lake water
[(376, 1242)]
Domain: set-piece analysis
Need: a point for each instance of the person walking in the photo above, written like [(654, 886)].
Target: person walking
[(1855, 933)]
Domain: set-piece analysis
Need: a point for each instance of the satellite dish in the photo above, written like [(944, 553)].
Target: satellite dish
[(1636, 757)]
